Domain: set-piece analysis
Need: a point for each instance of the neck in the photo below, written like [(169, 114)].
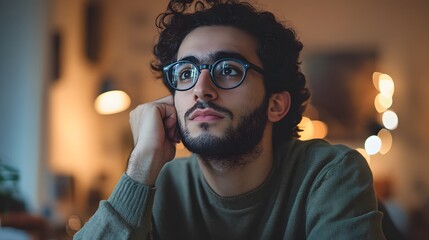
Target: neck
[(239, 175)]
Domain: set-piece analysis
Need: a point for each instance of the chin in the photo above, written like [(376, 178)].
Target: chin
[(207, 129)]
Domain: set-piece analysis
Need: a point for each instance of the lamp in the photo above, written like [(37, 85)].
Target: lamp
[(111, 100)]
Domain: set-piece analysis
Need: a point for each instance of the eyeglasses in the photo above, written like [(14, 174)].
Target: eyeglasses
[(226, 73)]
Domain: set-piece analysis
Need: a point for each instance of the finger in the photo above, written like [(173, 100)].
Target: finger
[(170, 124), (167, 110), (171, 135), (166, 100), (134, 127), (170, 120)]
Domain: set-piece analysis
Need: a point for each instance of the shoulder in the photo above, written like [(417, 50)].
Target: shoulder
[(312, 162), (338, 191), (335, 155), (332, 164), (320, 148), (320, 152)]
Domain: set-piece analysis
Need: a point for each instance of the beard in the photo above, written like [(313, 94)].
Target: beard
[(236, 146)]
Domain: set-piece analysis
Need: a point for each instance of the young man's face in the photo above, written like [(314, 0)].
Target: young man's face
[(215, 122)]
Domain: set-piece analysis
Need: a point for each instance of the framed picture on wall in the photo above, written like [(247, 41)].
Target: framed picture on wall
[(342, 90)]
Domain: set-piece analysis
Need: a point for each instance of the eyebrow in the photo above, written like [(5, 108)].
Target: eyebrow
[(213, 57)]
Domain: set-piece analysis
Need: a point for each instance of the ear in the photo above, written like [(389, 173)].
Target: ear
[(278, 106)]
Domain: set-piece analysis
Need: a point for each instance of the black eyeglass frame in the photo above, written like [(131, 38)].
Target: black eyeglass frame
[(246, 66)]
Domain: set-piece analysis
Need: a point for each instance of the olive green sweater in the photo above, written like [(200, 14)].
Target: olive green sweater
[(314, 191)]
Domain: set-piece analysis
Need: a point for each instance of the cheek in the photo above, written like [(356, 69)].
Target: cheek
[(181, 106), (248, 101)]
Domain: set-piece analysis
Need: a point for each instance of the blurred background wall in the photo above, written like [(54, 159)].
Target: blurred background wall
[(23, 93), (56, 56)]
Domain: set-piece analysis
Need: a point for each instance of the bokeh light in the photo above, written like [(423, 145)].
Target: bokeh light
[(312, 129), (384, 101), (386, 140), (320, 129), (112, 102), (386, 85), (376, 79), (390, 120), (306, 126), (372, 145)]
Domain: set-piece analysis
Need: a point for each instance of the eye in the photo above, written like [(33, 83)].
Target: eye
[(186, 74), (228, 70)]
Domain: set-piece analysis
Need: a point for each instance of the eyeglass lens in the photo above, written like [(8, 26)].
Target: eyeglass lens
[(225, 74)]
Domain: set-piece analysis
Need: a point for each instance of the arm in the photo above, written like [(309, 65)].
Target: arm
[(342, 202), (154, 128), (127, 213)]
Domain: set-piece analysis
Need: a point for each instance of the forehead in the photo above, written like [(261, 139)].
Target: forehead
[(204, 42)]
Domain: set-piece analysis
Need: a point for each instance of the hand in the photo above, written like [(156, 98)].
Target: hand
[(154, 128)]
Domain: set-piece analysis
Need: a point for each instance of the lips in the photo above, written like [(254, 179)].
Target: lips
[(205, 115)]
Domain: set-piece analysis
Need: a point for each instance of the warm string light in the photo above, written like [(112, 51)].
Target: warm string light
[(312, 129), (380, 143)]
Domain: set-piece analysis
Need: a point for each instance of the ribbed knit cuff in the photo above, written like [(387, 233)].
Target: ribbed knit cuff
[(130, 199)]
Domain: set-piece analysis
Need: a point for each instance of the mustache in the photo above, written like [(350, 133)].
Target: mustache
[(203, 105)]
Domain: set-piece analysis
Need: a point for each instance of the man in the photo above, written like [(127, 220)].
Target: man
[(237, 97)]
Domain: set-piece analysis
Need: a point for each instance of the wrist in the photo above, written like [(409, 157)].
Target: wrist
[(144, 167)]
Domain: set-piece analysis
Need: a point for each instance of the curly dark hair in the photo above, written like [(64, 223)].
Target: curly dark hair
[(278, 48)]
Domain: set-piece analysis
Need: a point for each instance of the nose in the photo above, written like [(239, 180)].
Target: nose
[(204, 89)]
